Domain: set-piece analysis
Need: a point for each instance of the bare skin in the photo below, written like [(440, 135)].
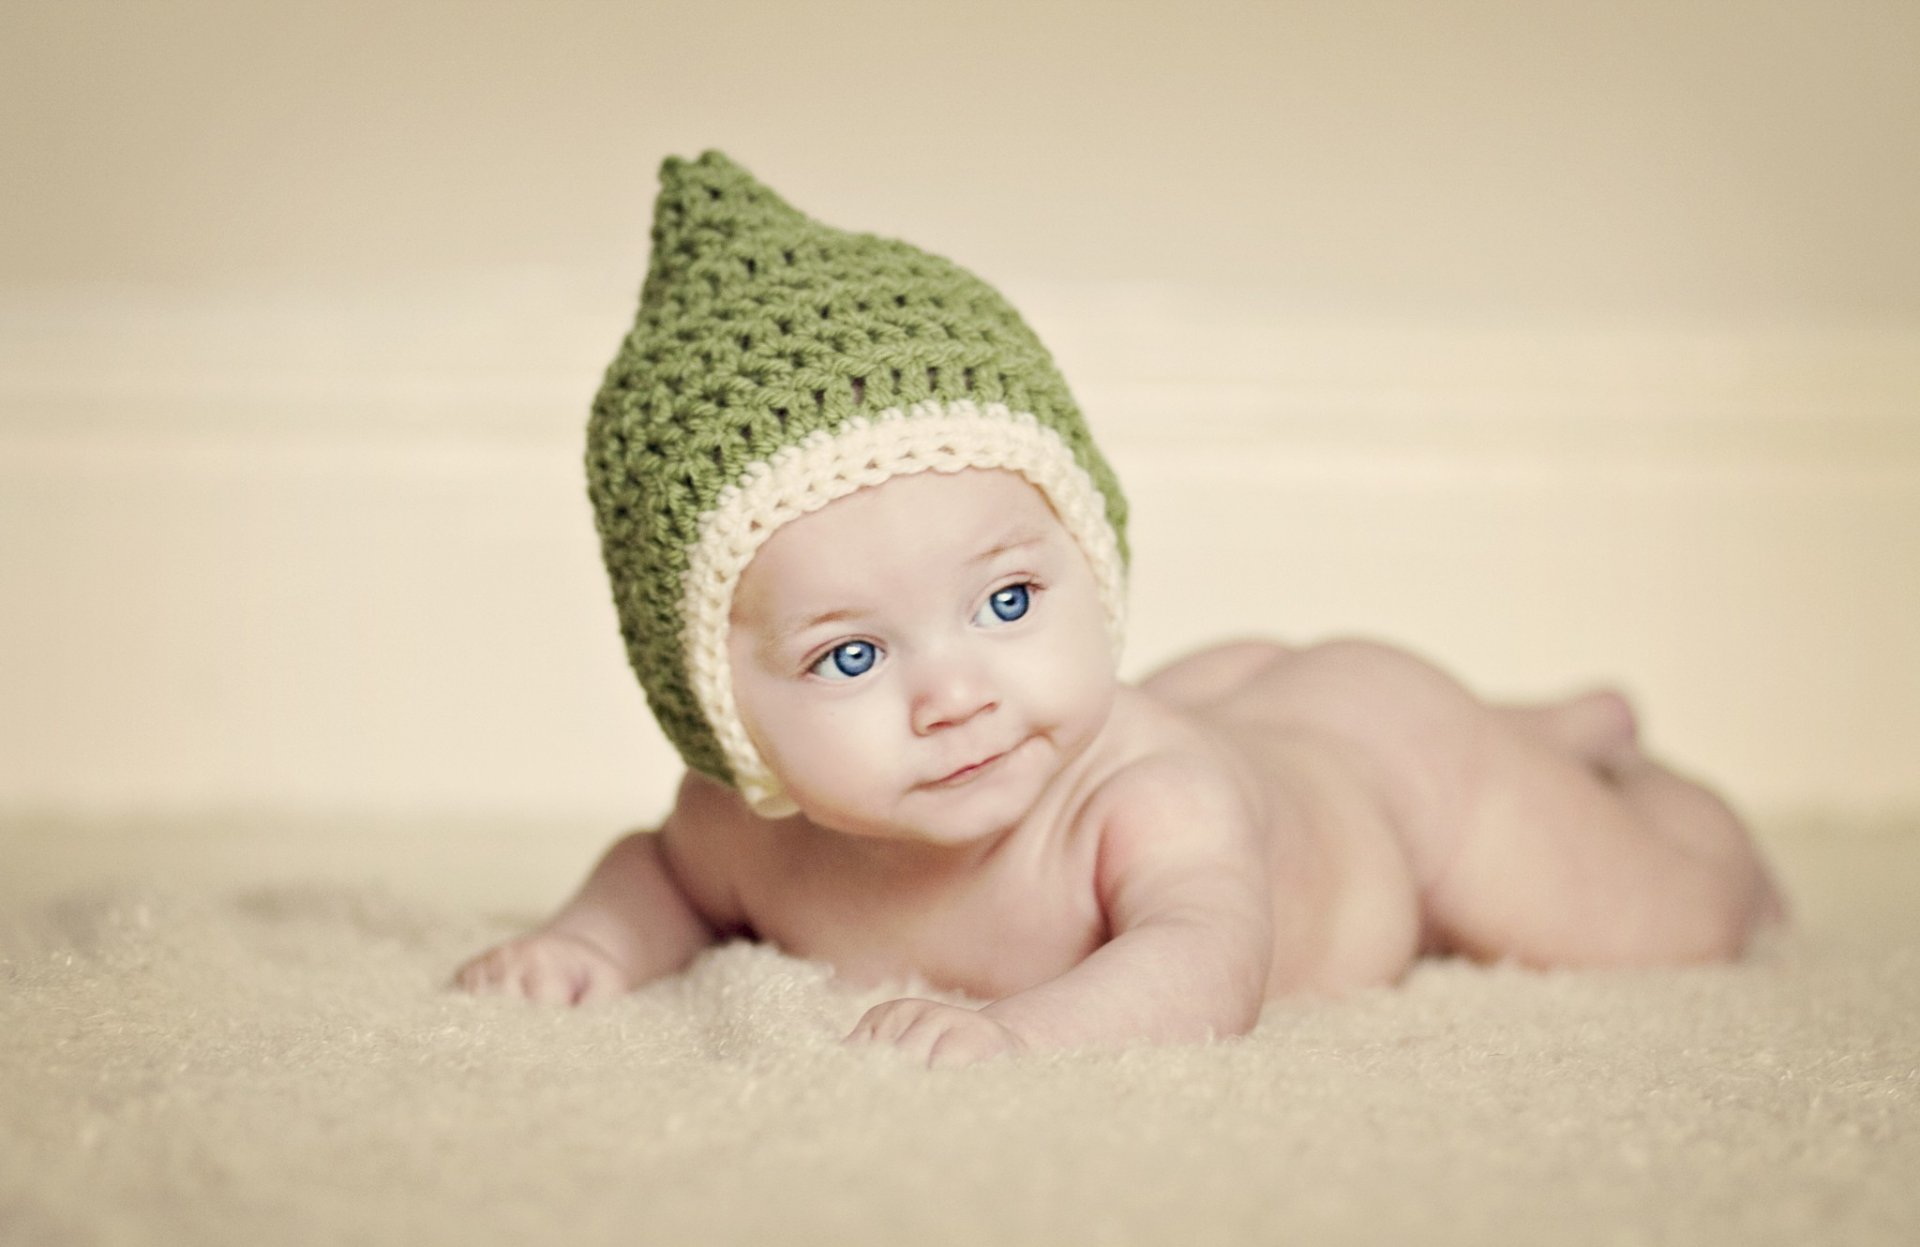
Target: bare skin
[(985, 807)]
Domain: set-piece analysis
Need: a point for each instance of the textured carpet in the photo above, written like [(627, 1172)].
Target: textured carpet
[(215, 1053)]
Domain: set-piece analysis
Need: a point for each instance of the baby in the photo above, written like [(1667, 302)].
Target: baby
[(869, 567)]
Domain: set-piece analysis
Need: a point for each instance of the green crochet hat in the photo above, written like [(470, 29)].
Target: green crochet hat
[(778, 364)]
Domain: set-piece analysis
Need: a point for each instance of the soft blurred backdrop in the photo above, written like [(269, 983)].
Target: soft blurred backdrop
[(1560, 342)]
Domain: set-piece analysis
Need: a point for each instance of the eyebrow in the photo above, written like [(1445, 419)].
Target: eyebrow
[(786, 633), (1019, 539)]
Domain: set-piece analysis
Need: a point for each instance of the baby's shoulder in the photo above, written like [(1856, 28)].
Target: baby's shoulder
[(705, 839), (1173, 821), (1170, 771)]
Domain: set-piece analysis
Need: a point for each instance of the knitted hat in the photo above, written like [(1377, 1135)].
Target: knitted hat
[(778, 364)]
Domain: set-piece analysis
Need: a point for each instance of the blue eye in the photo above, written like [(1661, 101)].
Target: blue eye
[(1009, 604), (846, 660)]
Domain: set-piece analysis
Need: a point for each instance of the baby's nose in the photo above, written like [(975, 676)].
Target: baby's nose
[(949, 695)]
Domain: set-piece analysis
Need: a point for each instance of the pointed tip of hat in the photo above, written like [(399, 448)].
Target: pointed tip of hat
[(711, 161), (707, 200), (713, 172)]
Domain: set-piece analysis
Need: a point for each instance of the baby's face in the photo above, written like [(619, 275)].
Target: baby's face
[(917, 660)]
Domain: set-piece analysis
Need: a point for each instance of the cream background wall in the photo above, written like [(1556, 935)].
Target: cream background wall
[(1560, 343)]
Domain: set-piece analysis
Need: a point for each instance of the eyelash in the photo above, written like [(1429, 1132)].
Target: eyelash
[(1030, 588)]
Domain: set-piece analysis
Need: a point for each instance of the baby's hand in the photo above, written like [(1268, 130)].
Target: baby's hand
[(940, 1035), (547, 967)]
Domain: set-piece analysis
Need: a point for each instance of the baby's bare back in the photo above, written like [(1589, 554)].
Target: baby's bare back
[(1440, 823)]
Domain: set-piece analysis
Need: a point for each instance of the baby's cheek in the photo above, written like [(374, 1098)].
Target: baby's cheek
[(842, 752), (1072, 688)]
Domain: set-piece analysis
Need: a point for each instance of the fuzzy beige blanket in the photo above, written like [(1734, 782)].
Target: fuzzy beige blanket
[(200, 1046)]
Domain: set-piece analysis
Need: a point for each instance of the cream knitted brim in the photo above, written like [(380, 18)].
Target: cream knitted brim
[(865, 451)]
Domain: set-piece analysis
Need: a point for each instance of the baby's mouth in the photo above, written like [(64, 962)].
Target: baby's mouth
[(967, 774)]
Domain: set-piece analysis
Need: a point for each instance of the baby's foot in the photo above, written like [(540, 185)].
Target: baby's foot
[(1599, 728)]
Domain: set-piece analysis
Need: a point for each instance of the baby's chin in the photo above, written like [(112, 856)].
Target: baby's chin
[(940, 823), (934, 833)]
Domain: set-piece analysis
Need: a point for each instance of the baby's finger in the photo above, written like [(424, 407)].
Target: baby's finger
[(966, 1046), (887, 1023), (481, 976), (934, 1032), (867, 1029), (915, 1043), (598, 982), (884, 1022), (952, 1051), (545, 985)]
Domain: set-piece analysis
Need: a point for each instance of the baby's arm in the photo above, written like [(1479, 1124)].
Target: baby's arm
[(629, 923), (1182, 879)]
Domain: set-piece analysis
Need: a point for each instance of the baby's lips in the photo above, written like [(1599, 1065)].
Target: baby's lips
[(969, 770), (965, 771)]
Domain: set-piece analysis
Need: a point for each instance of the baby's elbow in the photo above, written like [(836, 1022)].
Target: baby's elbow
[(1240, 996), (1240, 1019), (1221, 1017), (1212, 977)]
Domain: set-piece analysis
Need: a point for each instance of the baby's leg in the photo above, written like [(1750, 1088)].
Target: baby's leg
[(1580, 850)]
